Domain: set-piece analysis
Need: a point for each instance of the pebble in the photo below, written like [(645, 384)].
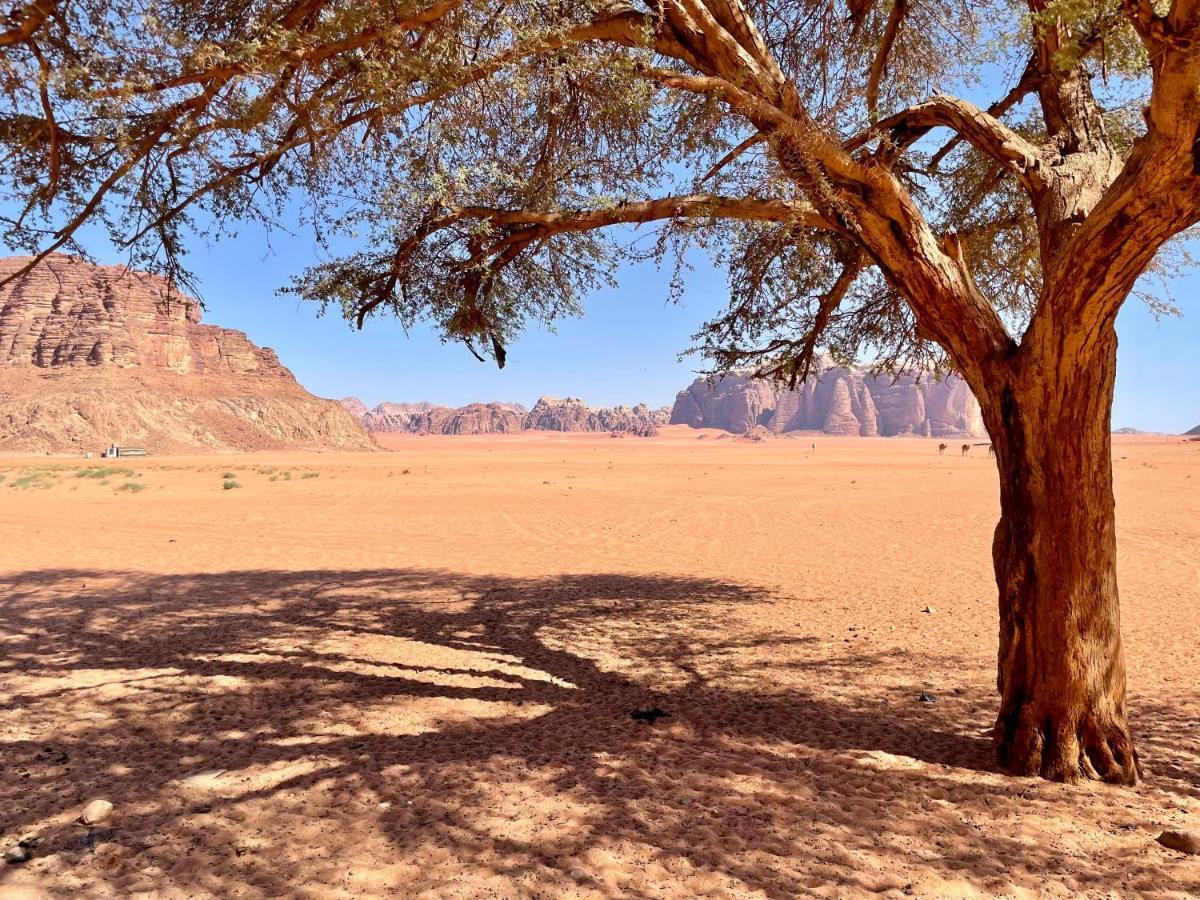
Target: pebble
[(577, 873), (926, 698), (929, 609), (96, 812), (15, 855), (1183, 841)]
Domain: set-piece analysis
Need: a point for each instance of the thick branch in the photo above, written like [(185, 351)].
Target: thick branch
[(26, 21), (984, 132)]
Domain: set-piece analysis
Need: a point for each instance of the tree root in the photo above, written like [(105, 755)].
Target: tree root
[(1068, 748)]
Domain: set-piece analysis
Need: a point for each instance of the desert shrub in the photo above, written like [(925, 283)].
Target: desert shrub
[(230, 484), (104, 472), (28, 482), (311, 475), (229, 474), (131, 487)]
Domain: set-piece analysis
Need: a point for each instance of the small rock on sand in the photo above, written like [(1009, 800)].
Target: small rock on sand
[(577, 873), (924, 697), (16, 855), (96, 812), (1183, 841)]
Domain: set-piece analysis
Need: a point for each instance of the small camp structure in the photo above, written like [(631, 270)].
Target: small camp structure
[(114, 451)]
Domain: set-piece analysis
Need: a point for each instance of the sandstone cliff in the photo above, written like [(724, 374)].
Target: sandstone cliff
[(548, 414), (95, 354), (571, 414), (840, 402)]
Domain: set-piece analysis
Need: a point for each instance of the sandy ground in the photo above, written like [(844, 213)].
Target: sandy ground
[(410, 674)]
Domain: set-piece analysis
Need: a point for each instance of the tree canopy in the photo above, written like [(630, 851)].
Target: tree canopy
[(475, 151)]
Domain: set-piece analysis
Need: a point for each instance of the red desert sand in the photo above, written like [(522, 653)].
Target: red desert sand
[(411, 674)]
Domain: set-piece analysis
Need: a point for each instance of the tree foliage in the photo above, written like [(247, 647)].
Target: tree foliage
[(476, 152)]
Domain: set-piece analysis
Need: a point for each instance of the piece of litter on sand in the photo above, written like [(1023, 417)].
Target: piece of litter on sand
[(648, 715), (929, 609), (924, 697), (207, 778)]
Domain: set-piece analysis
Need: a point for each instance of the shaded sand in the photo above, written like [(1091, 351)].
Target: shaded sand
[(372, 683)]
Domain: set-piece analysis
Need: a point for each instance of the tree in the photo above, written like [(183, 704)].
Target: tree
[(478, 150)]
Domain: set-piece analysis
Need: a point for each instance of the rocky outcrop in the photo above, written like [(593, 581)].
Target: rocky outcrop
[(95, 354), (571, 414), (1195, 432), (839, 401), (548, 414), (475, 418)]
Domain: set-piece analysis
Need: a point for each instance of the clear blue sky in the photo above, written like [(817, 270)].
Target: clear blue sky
[(623, 350)]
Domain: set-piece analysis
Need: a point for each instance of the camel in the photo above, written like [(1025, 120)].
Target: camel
[(966, 448), (941, 449)]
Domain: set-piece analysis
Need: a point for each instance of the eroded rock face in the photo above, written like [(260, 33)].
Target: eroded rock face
[(548, 414), (95, 354), (572, 414), (840, 401), (69, 314)]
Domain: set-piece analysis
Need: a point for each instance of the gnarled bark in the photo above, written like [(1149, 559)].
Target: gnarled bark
[(1061, 666)]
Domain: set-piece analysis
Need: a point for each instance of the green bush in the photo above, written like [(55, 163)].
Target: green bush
[(132, 487), (26, 482), (230, 484), (311, 475), (104, 472), (229, 474)]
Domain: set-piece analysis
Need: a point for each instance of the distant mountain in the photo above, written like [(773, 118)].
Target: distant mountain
[(1195, 432), (1128, 430), (839, 401), (91, 354), (548, 414)]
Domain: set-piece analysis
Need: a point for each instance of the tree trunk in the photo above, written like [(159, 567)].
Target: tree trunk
[(1061, 667)]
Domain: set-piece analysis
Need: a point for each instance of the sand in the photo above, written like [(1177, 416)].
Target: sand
[(410, 674)]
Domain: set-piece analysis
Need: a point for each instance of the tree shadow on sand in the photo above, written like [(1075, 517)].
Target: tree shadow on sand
[(399, 730)]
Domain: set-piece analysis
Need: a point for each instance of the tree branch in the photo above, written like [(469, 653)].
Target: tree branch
[(879, 66), (982, 131), (27, 20)]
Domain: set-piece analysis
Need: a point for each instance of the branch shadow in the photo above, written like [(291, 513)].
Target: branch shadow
[(362, 731)]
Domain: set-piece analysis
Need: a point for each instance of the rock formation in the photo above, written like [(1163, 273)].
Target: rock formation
[(548, 414), (95, 354), (1194, 432), (571, 414), (839, 401)]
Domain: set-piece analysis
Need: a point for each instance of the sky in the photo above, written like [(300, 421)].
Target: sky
[(624, 349)]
